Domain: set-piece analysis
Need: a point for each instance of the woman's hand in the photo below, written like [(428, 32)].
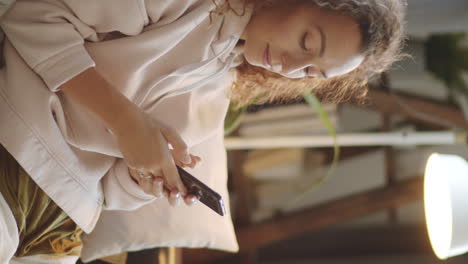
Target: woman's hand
[(154, 185), (144, 143), (142, 140)]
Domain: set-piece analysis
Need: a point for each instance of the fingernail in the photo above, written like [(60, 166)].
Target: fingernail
[(193, 200), (187, 159), (176, 198)]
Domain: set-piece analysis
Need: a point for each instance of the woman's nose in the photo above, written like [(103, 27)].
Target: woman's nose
[(292, 64)]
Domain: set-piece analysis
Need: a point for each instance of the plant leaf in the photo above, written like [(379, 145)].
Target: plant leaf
[(233, 118), (312, 100)]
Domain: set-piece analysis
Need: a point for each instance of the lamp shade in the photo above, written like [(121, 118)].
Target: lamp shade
[(446, 204)]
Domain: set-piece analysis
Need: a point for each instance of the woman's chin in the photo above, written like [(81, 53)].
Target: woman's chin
[(253, 62), (260, 65)]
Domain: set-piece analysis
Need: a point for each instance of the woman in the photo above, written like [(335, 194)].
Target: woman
[(118, 92)]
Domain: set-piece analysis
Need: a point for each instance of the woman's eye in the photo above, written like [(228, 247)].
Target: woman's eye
[(304, 38)]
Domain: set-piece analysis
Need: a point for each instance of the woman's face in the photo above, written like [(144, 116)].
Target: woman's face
[(298, 39)]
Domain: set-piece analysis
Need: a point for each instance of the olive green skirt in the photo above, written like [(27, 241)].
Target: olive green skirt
[(43, 227)]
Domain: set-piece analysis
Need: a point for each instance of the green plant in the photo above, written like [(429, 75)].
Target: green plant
[(234, 117), (447, 59), (312, 100)]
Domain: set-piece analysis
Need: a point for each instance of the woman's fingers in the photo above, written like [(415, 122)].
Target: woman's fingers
[(168, 168), (158, 187), (190, 199), (174, 198), (172, 177), (180, 164), (145, 180), (170, 173), (195, 160), (180, 148)]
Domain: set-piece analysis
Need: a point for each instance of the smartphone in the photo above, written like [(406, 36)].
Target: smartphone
[(205, 194)]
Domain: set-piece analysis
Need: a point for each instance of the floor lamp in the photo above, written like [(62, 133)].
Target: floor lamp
[(446, 204)]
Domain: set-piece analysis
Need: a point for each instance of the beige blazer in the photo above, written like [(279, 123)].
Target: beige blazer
[(164, 55)]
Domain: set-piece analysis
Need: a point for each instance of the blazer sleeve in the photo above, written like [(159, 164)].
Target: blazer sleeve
[(49, 38), (120, 191)]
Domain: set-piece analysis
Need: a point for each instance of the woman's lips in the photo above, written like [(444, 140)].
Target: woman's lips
[(266, 57)]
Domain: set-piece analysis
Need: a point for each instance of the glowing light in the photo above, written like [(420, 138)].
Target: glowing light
[(446, 203), (437, 207)]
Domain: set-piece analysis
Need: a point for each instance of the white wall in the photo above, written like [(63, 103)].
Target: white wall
[(426, 16)]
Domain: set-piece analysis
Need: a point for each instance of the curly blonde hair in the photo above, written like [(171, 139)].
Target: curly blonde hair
[(382, 29)]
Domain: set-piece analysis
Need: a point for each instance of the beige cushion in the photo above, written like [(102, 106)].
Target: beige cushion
[(159, 225)]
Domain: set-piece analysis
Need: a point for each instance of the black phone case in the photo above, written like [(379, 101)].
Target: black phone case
[(205, 194)]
